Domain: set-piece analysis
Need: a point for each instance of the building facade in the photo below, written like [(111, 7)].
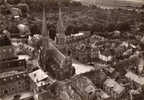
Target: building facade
[(13, 82), (13, 77)]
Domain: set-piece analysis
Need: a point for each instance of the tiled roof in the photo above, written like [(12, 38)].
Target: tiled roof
[(60, 56), (83, 84), (38, 75)]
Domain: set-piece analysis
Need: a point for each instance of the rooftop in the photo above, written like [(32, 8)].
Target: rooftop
[(103, 95), (114, 85), (135, 78), (10, 73), (83, 84), (23, 95), (38, 75), (60, 56), (78, 34)]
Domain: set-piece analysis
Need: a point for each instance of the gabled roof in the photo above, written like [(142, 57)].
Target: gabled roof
[(83, 84), (38, 75)]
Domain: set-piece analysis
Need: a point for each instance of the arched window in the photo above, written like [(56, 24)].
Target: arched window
[(19, 83), (69, 52), (5, 91), (12, 89)]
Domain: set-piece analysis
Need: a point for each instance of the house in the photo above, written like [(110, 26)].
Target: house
[(113, 88), (39, 79), (12, 82), (13, 77), (84, 87), (139, 80)]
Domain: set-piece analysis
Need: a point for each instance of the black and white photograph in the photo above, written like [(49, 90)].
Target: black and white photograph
[(71, 49)]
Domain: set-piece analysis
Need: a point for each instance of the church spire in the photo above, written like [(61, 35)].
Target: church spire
[(44, 29), (60, 36), (60, 25), (44, 24)]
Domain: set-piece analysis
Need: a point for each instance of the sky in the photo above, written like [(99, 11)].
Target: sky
[(134, 3), (126, 0), (136, 0)]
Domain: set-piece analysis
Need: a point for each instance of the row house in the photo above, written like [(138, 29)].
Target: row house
[(7, 52), (13, 82), (12, 65), (13, 76)]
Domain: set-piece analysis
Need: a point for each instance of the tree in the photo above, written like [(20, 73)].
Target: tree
[(24, 8), (35, 29), (13, 1), (12, 28), (125, 26), (1, 2), (111, 27), (17, 97), (142, 7), (138, 97), (97, 28), (52, 32), (142, 27), (75, 3), (70, 30)]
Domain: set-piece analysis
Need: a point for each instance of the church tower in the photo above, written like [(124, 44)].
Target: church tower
[(60, 37)]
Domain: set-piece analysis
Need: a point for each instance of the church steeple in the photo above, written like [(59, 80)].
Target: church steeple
[(60, 38), (60, 25), (44, 29)]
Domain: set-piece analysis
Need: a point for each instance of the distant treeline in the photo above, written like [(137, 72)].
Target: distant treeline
[(36, 5)]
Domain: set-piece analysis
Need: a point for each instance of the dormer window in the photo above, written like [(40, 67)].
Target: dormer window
[(18, 76), (10, 50), (8, 64), (35, 75), (90, 93), (4, 50), (24, 74), (11, 78), (4, 79), (20, 62), (37, 80)]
